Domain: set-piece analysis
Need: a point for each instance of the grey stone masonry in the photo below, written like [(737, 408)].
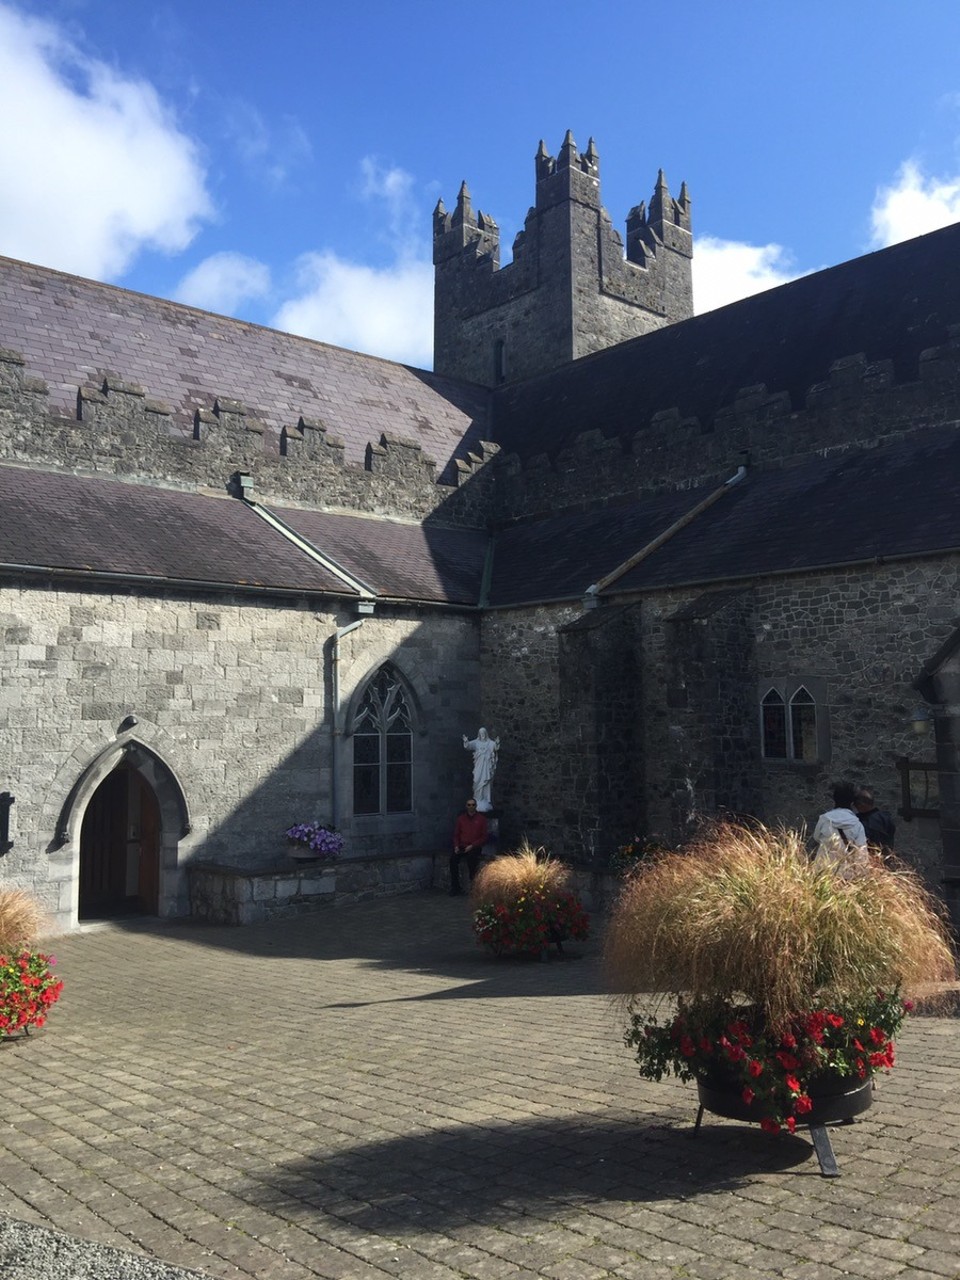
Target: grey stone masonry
[(118, 429), (571, 289)]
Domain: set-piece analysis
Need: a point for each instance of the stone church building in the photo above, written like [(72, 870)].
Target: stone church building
[(679, 565)]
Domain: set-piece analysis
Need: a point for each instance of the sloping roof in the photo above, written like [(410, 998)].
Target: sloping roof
[(897, 501), (889, 305), (72, 331), (396, 558), (557, 558), (53, 521)]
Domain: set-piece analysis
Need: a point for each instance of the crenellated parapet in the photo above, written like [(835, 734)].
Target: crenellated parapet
[(571, 288), (859, 404), (119, 429)]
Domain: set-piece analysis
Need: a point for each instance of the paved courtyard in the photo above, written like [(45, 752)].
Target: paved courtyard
[(364, 1094)]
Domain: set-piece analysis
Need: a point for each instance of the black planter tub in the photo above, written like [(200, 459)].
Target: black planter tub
[(836, 1100)]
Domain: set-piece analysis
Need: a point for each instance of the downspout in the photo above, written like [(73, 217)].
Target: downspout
[(591, 593), (337, 728)]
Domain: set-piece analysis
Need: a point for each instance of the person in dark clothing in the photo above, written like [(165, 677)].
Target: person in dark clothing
[(469, 837), (878, 825)]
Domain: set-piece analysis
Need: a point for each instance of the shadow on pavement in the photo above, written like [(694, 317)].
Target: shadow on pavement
[(423, 933), (491, 1174)]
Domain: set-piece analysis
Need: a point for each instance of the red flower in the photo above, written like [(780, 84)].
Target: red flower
[(755, 1068), (748, 1095), (787, 1060), (834, 1019), (877, 1036), (687, 1047), (791, 1124), (803, 1104), (769, 1125)]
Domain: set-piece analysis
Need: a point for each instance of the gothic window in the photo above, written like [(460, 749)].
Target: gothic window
[(793, 721), (383, 748), (774, 725)]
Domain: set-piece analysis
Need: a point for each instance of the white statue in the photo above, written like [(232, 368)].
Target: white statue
[(484, 766)]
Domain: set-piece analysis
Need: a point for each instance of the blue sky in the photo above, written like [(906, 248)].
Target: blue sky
[(280, 161)]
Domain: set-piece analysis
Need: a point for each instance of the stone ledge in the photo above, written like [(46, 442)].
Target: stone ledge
[(223, 894)]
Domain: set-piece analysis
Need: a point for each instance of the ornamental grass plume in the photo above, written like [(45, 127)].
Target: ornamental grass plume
[(523, 902), (742, 913), (507, 878), (21, 919)]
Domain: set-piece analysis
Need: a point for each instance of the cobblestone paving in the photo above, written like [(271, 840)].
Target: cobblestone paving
[(364, 1094)]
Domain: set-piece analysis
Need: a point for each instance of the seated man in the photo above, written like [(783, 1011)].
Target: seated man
[(469, 837)]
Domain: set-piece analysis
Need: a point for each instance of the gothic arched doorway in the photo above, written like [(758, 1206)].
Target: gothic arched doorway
[(120, 847)]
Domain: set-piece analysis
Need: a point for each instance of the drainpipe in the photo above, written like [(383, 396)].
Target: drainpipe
[(591, 593), (337, 729)]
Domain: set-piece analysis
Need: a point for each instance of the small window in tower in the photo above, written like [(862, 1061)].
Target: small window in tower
[(499, 362)]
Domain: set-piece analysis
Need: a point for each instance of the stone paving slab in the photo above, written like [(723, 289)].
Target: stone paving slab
[(363, 1093)]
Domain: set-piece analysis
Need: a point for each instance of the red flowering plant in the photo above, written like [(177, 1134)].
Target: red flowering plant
[(28, 990), (779, 973), (773, 1070), (523, 903), (629, 855)]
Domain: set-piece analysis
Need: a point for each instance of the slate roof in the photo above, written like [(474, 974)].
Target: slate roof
[(396, 558), (53, 521), (889, 305), (89, 524), (902, 500), (72, 331)]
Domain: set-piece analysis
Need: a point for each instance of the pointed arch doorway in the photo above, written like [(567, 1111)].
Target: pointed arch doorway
[(120, 847)]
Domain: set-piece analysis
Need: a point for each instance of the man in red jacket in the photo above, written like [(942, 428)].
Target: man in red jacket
[(469, 837)]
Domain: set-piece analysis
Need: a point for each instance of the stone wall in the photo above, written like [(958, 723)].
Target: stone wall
[(520, 682), (224, 705), (859, 404), (225, 895), (650, 720), (119, 430)]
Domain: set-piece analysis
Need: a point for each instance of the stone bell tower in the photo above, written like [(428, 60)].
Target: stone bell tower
[(571, 288)]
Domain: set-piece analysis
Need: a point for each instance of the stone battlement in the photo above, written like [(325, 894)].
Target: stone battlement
[(858, 405), (118, 429)]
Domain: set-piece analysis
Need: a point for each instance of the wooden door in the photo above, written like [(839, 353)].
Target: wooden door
[(103, 848)]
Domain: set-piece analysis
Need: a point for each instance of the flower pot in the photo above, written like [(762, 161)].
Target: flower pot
[(834, 1098)]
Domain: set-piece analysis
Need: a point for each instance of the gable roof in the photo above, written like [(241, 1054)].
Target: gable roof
[(889, 305), (72, 332), (897, 501)]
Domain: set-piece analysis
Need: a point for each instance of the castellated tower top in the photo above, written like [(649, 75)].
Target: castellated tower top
[(571, 289)]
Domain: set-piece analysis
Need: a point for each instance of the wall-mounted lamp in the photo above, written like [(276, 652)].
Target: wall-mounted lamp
[(921, 721), (127, 723)]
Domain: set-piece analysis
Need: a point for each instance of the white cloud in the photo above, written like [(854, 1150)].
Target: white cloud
[(727, 270), (912, 205), (223, 282), (271, 153), (383, 311), (95, 167)]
